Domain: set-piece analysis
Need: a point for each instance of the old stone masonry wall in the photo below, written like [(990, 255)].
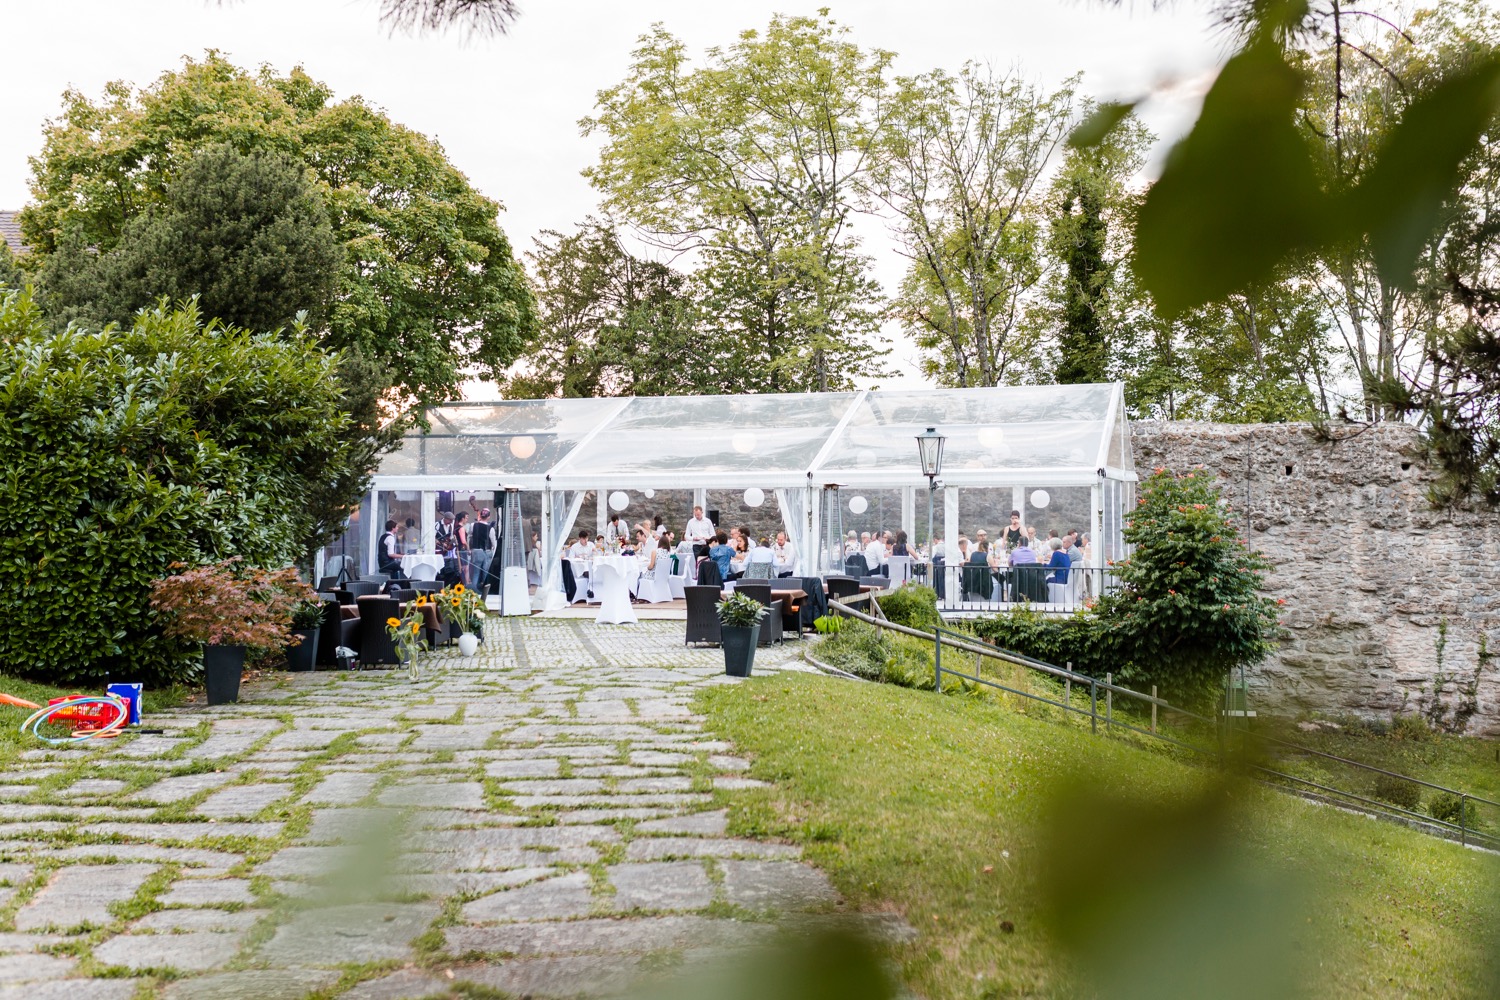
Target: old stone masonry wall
[(1391, 606)]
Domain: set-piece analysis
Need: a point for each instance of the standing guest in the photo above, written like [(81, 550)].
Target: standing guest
[(617, 532), (699, 532), (444, 544), (659, 526), (481, 545), (1014, 535), (783, 555), (387, 551), (722, 555), (461, 546), (409, 537)]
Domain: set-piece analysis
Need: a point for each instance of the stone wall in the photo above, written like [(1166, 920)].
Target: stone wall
[(1386, 598)]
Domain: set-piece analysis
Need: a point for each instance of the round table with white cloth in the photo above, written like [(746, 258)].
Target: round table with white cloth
[(614, 578), (409, 563)]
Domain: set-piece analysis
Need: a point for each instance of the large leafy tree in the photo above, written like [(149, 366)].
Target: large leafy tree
[(751, 161), (428, 283), (245, 232), (130, 449), (960, 159), (611, 324)]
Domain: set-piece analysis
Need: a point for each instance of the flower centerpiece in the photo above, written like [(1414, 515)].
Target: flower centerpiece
[(463, 608), (227, 607), (406, 635)]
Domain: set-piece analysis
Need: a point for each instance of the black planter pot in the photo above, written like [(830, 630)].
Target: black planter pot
[(738, 642), (303, 655), (222, 666)]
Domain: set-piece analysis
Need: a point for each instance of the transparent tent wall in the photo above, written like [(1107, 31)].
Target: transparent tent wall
[(405, 508), (1067, 508), (674, 507), (881, 510), (762, 520), (1045, 508), (351, 544)]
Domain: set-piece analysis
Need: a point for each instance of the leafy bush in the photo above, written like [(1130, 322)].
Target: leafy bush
[(1188, 610), (1449, 808), (1398, 791), (739, 611), (914, 607), (129, 450), (228, 604), (868, 652)]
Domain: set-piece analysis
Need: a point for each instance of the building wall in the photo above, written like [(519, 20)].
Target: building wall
[(1386, 598)]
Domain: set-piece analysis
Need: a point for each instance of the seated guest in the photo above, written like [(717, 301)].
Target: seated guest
[(851, 544), (1059, 563), (899, 546), (583, 548), (1022, 555), (1075, 547), (387, 551), (722, 555)]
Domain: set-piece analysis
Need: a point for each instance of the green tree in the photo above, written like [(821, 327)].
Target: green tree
[(246, 233), (428, 284), (11, 275), (1190, 606), (959, 161), (751, 162), (130, 449), (613, 324)]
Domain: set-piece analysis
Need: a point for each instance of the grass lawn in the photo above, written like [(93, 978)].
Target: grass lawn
[(937, 807)]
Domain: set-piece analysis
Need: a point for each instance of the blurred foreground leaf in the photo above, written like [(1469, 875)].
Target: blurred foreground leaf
[(1156, 901), (1419, 167), (1237, 195), (830, 963), (1094, 129)]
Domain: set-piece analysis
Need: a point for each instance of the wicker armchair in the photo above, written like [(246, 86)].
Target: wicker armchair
[(336, 631), (375, 644), (702, 614), (840, 587)]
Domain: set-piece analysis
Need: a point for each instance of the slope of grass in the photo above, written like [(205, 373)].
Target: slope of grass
[(936, 807)]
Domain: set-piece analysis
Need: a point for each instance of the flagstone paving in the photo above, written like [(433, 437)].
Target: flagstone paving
[(539, 818)]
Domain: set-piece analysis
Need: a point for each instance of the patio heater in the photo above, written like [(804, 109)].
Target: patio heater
[(833, 530), (930, 451), (515, 597)]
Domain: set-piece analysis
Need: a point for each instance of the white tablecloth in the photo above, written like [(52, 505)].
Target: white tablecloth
[(613, 588), (407, 562)]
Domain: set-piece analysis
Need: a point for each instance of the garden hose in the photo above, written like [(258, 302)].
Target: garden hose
[(35, 720)]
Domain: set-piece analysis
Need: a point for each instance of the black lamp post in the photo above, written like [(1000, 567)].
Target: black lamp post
[(930, 450)]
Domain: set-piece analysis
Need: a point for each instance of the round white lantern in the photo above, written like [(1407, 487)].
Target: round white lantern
[(1040, 499), (618, 500), (754, 497), (991, 438), (858, 505), (648, 494), (744, 442), (523, 447)]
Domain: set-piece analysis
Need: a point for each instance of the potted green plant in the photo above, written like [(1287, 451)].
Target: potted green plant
[(227, 607), (302, 650), (739, 630), (464, 610)]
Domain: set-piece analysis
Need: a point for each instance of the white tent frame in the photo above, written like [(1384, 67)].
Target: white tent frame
[(563, 478)]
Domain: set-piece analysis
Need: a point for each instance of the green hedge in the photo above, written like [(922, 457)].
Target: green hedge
[(914, 607), (129, 450)]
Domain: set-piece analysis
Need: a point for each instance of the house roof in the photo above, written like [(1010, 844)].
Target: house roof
[(10, 231)]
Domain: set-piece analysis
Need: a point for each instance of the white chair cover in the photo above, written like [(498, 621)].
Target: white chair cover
[(900, 569), (614, 597), (582, 581), (655, 586), (423, 571)]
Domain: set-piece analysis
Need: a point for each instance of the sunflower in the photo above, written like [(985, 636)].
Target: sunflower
[(458, 588), (456, 601), (415, 627), (393, 622)]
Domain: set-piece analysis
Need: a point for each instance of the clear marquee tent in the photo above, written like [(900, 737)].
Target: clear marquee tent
[(813, 462)]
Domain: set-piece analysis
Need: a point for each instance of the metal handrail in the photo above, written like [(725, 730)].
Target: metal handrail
[(941, 637)]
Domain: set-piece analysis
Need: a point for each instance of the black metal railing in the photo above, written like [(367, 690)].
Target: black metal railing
[(1456, 814)]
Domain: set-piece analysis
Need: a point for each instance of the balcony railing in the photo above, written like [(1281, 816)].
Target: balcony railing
[(981, 588)]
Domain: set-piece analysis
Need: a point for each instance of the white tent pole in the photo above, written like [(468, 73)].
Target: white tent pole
[(838, 432), (909, 513), (428, 542), (1096, 523), (372, 531), (950, 542), (810, 541)]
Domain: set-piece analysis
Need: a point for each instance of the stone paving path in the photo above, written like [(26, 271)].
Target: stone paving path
[(537, 819)]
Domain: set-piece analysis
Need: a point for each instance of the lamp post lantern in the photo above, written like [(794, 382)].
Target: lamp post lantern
[(930, 451)]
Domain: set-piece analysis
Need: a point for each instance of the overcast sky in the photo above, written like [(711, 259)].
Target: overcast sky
[(506, 109)]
